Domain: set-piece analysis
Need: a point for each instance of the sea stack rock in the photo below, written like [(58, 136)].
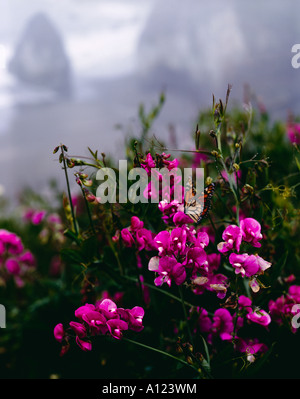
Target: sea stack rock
[(40, 58)]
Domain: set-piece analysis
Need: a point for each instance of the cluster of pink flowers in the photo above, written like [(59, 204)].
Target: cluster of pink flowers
[(15, 260), (137, 235), (293, 132), (221, 326), (182, 257), (52, 225), (153, 190), (247, 265), (281, 309), (103, 318), (34, 216)]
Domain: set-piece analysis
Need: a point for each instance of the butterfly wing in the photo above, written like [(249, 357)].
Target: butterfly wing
[(193, 207)]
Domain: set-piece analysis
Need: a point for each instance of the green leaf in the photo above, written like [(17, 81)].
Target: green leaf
[(71, 256), (206, 350)]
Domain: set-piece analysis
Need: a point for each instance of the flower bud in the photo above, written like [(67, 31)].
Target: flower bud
[(189, 360)]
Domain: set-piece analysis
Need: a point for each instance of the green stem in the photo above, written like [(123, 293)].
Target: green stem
[(153, 287), (185, 314), (219, 144), (158, 351), (88, 211), (69, 191)]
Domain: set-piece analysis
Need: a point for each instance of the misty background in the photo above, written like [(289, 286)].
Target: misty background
[(71, 71)]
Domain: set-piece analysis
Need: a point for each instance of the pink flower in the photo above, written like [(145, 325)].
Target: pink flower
[(259, 316), (168, 270), (204, 321), (136, 224), (245, 303), (232, 237), (169, 209), (281, 308), (218, 284), (251, 231), (180, 218), (293, 132), (148, 163), (84, 345), (214, 261), (144, 239), (196, 259), (127, 238), (27, 258), (11, 241), (12, 266), (222, 324), (244, 264), (116, 327), (251, 347), (163, 242), (83, 310), (202, 239), (79, 328), (178, 241), (134, 318), (108, 308), (96, 321), (59, 332), (37, 217)]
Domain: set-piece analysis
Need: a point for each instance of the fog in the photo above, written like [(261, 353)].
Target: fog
[(72, 70)]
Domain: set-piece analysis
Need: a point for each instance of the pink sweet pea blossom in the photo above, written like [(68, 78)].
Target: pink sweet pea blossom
[(37, 217), (293, 132), (222, 324), (204, 322), (136, 224), (250, 347), (144, 239), (259, 316), (169, 209), (116, 327), (134, 317), (13, 266), (196, 259), (83, 310), (84, 345), (148, 163), (245, 303), (59, 332), (244, 264), (168, 270), (96, 322), (251, 231), (202, 239), (11, 242), (180, 218), (163, 242), (232, 237), (79, 328), (127, 238), (108, 308)]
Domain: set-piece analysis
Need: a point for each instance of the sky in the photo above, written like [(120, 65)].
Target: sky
[(124, 52)]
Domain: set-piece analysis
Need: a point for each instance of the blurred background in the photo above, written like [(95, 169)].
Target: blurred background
[(75, 72)]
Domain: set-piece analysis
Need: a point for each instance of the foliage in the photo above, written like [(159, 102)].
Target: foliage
[(205, 321)]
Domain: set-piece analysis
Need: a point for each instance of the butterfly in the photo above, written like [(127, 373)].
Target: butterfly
[(193, 207)]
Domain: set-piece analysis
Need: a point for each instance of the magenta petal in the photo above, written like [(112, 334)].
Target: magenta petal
[(59, 332), (116, 327), (84, 345), (13, 266)]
